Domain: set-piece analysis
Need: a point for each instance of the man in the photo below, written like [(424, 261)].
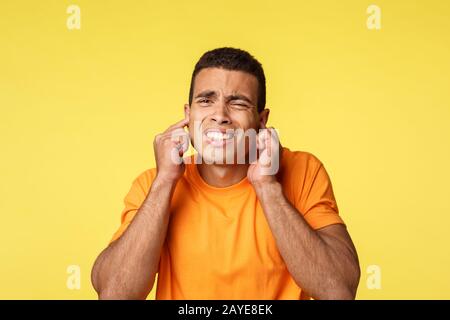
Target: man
[(214, 227)]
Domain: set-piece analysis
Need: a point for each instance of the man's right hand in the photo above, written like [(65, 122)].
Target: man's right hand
[(139, 248), (169, 148)]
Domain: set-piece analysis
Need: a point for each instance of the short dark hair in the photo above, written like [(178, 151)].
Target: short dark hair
[(232, 59)]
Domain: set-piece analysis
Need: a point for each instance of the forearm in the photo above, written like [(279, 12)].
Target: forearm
[(317, 267), (127, 268)]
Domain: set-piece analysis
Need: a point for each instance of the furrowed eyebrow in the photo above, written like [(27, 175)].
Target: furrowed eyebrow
[(206, 94), (239, 97), (213, 94)]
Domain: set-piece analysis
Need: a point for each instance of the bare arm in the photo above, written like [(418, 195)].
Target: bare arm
[(126, 269), (324, 263)]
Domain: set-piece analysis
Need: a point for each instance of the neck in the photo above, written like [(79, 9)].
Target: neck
[(222, 175)]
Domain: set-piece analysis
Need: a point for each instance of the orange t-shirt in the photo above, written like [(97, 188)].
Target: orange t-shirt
[(219, 244)]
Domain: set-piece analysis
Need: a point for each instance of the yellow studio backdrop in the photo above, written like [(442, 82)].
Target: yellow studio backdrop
[(80, 108)]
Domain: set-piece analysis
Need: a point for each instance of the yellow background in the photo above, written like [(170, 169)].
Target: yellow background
[(80, 108)]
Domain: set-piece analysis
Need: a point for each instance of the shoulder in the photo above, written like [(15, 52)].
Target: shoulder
[(303, 161), (145, 178)]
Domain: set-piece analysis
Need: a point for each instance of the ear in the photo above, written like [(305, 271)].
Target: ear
[(263, 118), (187, 110)]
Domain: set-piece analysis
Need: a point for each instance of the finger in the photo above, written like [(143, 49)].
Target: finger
[(175, 153), (184, 143), (178, 148), (180, 124), (261, 139), (275, 141), (180, 140), (175, 133), (184, 146), (268, 141), (175, 137), (260, 143), (272, 141)]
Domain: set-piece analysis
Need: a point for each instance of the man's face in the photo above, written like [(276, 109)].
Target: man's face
[(224, 105)]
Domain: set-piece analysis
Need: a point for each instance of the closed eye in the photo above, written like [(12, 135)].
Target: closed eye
[(240, 104), (204, 101)]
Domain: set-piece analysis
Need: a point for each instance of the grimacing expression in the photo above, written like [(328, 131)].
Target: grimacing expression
[(224, 105)]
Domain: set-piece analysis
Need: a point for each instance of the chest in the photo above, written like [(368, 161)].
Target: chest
[(228, 234)]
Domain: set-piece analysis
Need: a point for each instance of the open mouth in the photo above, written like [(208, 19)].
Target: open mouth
[(217, 138)]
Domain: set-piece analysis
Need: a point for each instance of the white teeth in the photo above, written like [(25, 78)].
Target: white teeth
[(215, 135)]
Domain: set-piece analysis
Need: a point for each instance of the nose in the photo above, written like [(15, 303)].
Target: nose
[(221, 115)]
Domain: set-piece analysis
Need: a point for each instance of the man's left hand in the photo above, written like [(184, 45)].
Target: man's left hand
[(264, 169)]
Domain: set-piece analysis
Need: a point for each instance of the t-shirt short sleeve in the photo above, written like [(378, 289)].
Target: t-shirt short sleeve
[(133, 200), (316, 201)]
